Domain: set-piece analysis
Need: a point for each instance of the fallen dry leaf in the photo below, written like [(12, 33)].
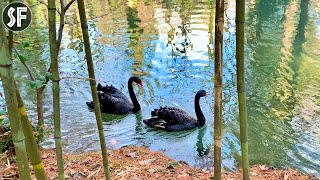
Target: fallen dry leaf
[(146, 162), (132, 155), (146, 165)]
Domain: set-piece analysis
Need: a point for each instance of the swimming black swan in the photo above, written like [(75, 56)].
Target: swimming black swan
[(174, 119), (113, 101)]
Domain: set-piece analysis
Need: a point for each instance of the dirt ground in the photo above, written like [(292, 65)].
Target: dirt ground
[(132, 162)]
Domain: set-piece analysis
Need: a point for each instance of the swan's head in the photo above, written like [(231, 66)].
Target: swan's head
[(201, 93), (137, 80)]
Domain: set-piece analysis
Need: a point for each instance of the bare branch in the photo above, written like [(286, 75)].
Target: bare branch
[(64, 8), (24, 64), (62, 4), (68, 5), (61, 26), (80, 78)]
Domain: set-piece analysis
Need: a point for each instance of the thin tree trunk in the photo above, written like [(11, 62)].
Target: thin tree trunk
[(31, 144), (7, 78), (219, 21), (55, 85), (40, 108), (39, 96), (240, 18), (85, 33)]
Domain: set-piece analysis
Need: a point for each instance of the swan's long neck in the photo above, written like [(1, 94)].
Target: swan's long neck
[(200, 116), (136, 105)]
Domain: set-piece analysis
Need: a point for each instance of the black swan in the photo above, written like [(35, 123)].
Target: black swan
[(174, 119), (113, 101)]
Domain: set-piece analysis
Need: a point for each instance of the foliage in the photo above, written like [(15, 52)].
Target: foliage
[(41, 81), (23, 59), (26, 45), (38, 83)]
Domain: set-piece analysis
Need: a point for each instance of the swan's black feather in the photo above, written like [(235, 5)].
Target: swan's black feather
[(113, 101), (111, 90), (173, 115), (162, 124), (115, 105), (175, 119)]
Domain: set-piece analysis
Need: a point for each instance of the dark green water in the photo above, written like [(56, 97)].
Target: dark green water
[(140, 38)]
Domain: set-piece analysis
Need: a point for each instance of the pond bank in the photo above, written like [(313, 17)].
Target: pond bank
[(133, 162)]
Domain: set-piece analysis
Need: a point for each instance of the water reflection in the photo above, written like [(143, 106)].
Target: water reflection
[(202, 149), (180, 42)]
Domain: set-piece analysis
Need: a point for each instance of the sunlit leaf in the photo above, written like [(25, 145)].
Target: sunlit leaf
[(32, 84), (42, 78), (23, 58), (49, 75), (37, 84), (26, 44)]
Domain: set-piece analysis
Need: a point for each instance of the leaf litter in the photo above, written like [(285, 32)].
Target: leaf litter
[(133, 162)]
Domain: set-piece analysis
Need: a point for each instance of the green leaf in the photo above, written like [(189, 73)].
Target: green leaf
[(23, 58), (26, 44), (37, 84), (49, 75), (42, 78), (32, 84)]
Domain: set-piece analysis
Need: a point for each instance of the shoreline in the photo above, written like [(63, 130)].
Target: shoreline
[(138, 162)]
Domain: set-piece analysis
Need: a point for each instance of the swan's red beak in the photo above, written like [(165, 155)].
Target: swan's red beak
[(206, 94), (141, 84)]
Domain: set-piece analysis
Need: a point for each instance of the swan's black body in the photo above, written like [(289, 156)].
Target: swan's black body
[(174, 119), (113, 101)]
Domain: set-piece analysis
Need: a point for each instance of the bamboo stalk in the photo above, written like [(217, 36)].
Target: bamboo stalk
[(10, 42), (240, 19), (7, 78), (10, 38), (55, 85), (211, 25), (86, 40), (31, 144), (219, 21)]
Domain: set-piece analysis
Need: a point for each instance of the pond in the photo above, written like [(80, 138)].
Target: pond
[(170, 45)]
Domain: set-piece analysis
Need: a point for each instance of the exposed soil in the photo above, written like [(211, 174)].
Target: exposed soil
[(132, 162)]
